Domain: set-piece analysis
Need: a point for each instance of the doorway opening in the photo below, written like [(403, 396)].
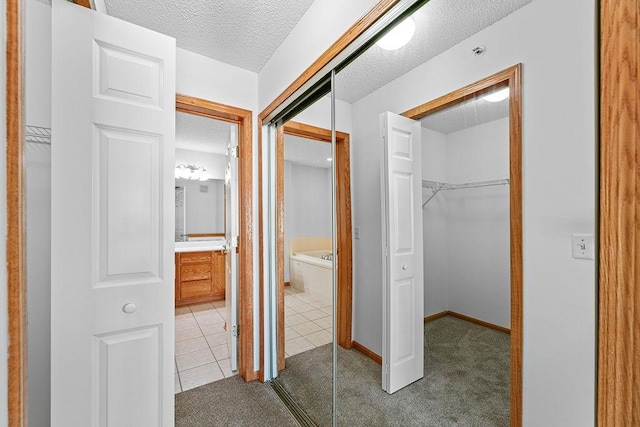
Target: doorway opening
[(508, 82), (242, 119), (344, 243)]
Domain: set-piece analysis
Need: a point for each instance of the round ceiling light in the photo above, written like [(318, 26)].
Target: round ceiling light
[(398, 36), (497, 96)]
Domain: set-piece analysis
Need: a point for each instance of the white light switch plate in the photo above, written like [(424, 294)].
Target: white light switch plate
[(356, 232), (582, 246)]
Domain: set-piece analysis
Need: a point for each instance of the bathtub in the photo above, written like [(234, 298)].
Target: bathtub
[(310, 273)]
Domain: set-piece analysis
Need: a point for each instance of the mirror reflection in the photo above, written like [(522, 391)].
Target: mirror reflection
[(200, 161), (432, 181)]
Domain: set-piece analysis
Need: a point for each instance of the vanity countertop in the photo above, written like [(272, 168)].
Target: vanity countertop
[(200, 246)]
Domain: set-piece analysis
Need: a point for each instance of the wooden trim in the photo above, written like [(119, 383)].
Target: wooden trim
[(280, 242), (468, 319), (436, 316), (287, 283), (619, 264), (357, 29), (344, 243), (512, 77), (480, 322), (473, 90), (85, 3), (206, 235), (364, 350), (515, 207), (243, 118), (312, 132), (16, 280)]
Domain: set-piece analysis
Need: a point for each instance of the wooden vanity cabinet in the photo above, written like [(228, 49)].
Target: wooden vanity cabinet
[(200, 277)]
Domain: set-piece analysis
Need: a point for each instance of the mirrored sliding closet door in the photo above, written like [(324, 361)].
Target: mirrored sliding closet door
[(420, 318)]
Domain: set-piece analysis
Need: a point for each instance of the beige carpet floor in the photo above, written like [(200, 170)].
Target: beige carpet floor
[(466, 382)]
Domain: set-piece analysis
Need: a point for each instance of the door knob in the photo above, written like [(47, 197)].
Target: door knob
[(404, 266), (129, 308)]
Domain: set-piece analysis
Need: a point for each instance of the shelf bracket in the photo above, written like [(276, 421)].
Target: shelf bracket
[(435, 191)]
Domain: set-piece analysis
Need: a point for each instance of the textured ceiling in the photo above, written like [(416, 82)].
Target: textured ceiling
[(440, 24), (197, 133), (306, 152), (465, 115), (238, 32)]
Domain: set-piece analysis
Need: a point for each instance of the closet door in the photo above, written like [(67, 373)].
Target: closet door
[(402, 300), (112, 296)]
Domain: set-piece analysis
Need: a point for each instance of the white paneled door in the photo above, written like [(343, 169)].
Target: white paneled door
[(403, 287), (112, 264), (231, 256)]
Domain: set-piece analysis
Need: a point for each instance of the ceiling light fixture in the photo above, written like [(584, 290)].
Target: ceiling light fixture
[(497, 96), (197, 173), (398, 36)]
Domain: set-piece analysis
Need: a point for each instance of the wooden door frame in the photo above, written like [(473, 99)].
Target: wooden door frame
[(243, 118), (619, 272), (344, 244), (511, 77), (16, 224)]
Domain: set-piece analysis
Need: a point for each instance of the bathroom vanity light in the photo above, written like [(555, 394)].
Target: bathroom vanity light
[(497, 96), (398, 36), (191, 172)]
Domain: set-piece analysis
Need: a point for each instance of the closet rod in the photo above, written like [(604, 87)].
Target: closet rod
[(37, 135), (436, 186)]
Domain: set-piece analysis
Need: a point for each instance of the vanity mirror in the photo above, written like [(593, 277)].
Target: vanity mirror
[(201, 146)]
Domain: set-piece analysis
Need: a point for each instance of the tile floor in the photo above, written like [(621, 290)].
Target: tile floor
[(202, 355), (308, 321)]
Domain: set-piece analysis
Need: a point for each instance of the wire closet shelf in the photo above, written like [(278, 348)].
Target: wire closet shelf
[(436, 186), (37, 135)]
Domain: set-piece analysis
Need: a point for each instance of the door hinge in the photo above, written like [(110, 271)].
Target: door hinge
[(235, 152), (235, 331)]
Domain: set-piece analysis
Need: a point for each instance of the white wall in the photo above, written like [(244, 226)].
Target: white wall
[(205, 211), (466, 232), (478, 223), (435, 225), (3, 220), (307, 204), (38, 211), (318, 28), (559, 146), (206, 78)]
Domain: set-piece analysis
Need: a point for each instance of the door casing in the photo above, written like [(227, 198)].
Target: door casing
[(344, 243), (512, 78), (243, 118)]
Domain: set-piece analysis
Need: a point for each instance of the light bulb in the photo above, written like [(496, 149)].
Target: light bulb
[(398, 36), (497, 96)]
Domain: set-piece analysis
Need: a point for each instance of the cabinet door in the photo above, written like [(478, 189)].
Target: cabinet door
[(219, 275)]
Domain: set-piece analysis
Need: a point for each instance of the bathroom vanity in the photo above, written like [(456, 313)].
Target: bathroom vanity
[(200, 274)]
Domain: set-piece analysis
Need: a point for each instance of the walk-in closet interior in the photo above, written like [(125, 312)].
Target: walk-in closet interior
[(431, 170)]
